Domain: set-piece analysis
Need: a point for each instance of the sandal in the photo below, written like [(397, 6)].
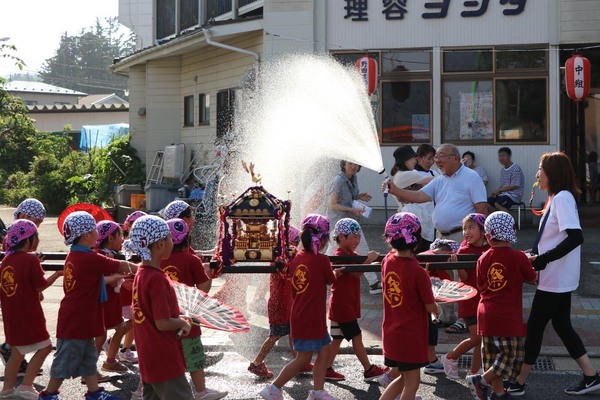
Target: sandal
[(457, 327)]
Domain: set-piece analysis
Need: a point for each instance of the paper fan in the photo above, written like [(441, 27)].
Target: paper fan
[(446, 291), (97, 212), (211, 313)]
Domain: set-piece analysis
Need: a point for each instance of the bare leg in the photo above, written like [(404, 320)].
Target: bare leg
[(473, 342), (494, 381), (320, 368), (361, 352), (115, 342), (334, 349), (586, 365), (500, 208), (394, 373), (265, 349), (92, 383), (199, 380), (412, 380), (54, 384), (35, 364), (128, 342), (291, 369), (11, 369)]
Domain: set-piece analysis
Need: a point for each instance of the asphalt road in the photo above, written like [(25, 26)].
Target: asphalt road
[(230, 374)]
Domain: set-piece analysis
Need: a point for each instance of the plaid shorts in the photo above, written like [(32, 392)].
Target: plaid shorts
[(504, 355)]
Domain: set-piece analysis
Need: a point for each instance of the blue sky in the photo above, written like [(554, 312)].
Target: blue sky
[(35, 26)]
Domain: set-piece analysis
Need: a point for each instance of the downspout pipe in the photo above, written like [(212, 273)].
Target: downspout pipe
[(208, 38)]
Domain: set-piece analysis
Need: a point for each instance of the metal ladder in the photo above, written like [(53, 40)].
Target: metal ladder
[(156, 171)]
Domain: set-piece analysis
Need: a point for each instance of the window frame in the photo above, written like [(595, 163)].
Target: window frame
[(496, 74), (203, 109), (188, 120), (380, 113), (497, 140), (404, 73)]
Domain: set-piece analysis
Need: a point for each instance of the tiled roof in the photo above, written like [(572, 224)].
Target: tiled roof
[(39, 87), (77, 108)]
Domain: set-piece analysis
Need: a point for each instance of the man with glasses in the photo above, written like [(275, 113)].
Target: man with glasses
[(458, 191)]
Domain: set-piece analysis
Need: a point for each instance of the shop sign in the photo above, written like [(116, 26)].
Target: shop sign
[(367, 68), (577, 77), (358, 10)]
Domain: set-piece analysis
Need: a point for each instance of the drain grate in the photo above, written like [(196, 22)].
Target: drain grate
[(542, 363)]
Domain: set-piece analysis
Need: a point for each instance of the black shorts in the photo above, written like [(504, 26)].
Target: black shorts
[(502, 199), (279, 330), (402, 366), (470, 321), (345, 330)]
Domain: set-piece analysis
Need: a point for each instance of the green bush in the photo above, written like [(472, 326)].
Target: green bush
[(58, 176)]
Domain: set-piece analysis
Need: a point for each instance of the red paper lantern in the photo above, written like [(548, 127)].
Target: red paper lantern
[(577, 77), (367, 68)]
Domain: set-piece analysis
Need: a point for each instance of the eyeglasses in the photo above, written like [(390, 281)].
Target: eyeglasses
[(441, 155)]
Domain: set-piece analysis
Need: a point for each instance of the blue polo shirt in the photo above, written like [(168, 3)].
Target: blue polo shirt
[(454, 197)]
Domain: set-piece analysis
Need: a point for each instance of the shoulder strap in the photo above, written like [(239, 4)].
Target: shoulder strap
[(534, 249)]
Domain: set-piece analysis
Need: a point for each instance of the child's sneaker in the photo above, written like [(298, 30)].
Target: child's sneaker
[(8, 394), (26, 393), (331, 375), (384, 380), (435, 367), (114, 367), (44, 396), (323, 395), (375, 288), (5, 352), (271, 393), (515, 389), (127, 356), (450, 367), (260, 370), (101, 395), (210, 394), (478, 389), (374, 372), (307, 369)]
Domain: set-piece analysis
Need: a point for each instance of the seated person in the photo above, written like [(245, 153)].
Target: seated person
[(512, 182)]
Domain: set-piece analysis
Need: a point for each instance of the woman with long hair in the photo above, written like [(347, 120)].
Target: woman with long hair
[(556, 254)]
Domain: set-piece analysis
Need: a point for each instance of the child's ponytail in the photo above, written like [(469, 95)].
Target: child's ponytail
[(306, 238)]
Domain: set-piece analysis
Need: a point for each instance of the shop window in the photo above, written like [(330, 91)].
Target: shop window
[(225, 111), (204, 109), (468, 60), (515, 59), (521, 112), (406, 112), (467, 110), (188, 111), (406, 61)]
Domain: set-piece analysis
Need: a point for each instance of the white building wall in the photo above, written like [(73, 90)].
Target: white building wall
[(492, 28), (137, 106), (55, 121), (163, 105), (289, 26), (579, 21), (138, 15), (209, 71)]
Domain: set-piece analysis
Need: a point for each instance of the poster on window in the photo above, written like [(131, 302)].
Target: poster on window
[(420, 127), (476, 116)]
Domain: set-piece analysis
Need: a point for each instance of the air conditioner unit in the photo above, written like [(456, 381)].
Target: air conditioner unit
[(174, 160)]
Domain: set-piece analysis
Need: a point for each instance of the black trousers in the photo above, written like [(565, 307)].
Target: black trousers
[(555, 307)]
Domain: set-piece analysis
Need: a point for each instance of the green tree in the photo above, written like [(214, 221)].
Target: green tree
[(17, 130), (82, 62)]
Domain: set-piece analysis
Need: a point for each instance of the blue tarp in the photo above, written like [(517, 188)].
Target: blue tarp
[(100, 135)]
